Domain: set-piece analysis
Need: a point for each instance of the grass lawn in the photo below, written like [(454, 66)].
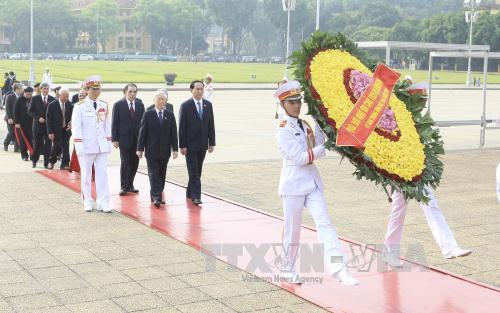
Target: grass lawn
[(447, 77), (152, 71), (148, 71)]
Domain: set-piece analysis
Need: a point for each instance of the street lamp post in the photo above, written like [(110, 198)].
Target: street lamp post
[(97, 36), (470, 17), (318, 3), (32, 66), (289, 6)]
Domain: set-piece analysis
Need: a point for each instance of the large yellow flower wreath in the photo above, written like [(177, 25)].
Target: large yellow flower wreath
[(406, 162), (406, 157)]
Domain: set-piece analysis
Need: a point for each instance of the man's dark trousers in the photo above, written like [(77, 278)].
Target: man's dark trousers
[(128, 166), (194, 162), (157, 169), (60, 145), (10, 137)]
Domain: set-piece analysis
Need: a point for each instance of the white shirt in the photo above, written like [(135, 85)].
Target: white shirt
[(61, 104), (128, 103), (196, 105)]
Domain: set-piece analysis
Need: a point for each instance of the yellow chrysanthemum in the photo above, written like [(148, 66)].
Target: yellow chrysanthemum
[(405, 157)]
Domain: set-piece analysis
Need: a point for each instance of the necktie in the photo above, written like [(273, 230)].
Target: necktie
[(64, 118), (299, 121), (200, 112), (95, 105), (131, 110), (160, 116), (45, 101)]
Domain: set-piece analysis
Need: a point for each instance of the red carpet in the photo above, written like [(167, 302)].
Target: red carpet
[(419, 289)]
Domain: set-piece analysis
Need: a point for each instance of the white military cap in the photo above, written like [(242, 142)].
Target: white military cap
[(93, 81), (288, 91)]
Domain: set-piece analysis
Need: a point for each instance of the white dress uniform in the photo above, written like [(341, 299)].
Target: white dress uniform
[(301, 186), (435, 218), (91, 129)]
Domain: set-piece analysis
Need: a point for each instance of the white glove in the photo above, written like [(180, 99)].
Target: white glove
[(319, 134)]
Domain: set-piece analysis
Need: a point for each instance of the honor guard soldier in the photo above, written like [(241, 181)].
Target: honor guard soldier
[(91, 125), (301, 186)]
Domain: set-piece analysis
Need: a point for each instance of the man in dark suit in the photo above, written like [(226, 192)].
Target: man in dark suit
[(38, 111), (5, 88), (168, 106), (13, 79), (79, 96), (7, 85), (10, 104), (59, 128), (196, 136), (127, 115), (158, 136), (24, 122)]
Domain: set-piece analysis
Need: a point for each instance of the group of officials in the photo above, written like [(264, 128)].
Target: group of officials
[(43, 124), (38, 124), (153, 132), (137, 131)]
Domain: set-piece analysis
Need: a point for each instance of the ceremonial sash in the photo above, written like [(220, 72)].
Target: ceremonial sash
[(26, 141), (74, 164), (365, 115)]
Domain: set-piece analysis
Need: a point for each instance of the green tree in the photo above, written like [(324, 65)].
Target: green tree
[(102, 21), (262, 30), (372, 33), (486, 31), (173, 24), (445, 28), (55, 27), (302, 21), (234, 16)]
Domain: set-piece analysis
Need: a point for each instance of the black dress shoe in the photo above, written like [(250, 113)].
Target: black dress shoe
[(46, 165), (50, 166), (157, 203), (197, 201), (122, 192), (133, 190), (5, 147), (162, 201), (33, 165)]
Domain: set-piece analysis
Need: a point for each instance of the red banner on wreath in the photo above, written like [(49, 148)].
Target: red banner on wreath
[(369, 108)]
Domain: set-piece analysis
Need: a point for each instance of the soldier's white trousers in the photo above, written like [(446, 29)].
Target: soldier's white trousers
[(435, 218), (100, 161), (315, 203)]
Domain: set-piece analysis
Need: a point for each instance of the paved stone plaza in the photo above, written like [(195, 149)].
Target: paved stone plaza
[(54, 257)]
